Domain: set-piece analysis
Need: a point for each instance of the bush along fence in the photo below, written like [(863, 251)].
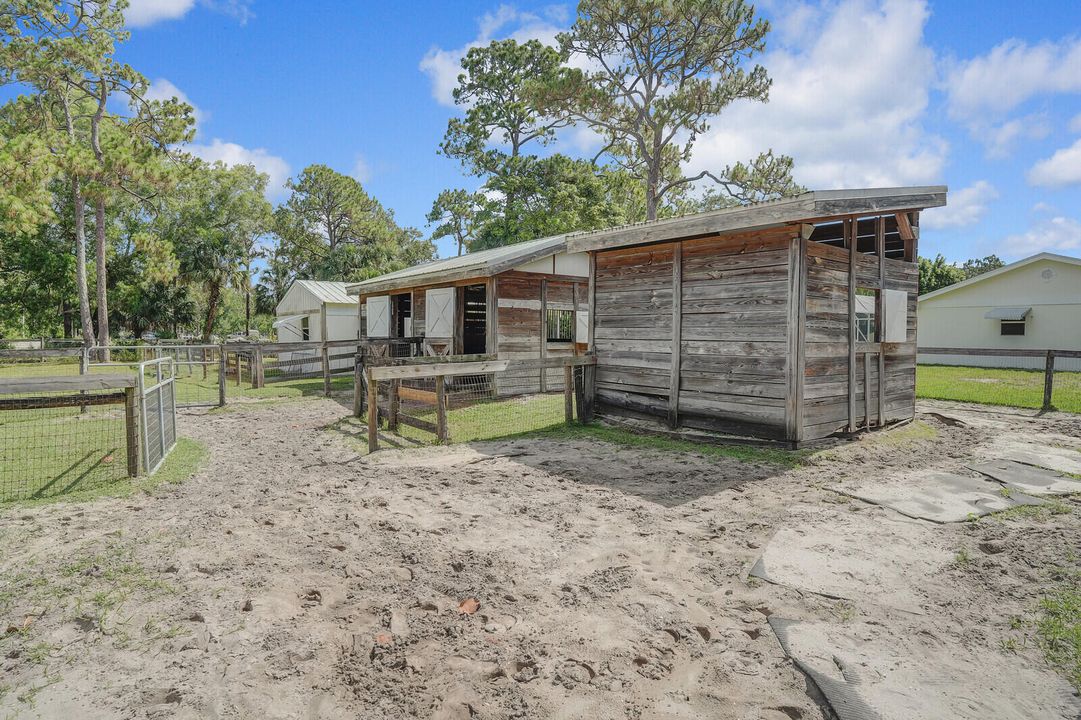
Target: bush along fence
[(469, 397), (1049, 358)]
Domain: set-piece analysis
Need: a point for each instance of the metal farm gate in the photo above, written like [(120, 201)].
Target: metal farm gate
[(157, 410)]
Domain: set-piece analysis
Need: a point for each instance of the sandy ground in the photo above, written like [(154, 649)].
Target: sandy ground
[(294, 578)]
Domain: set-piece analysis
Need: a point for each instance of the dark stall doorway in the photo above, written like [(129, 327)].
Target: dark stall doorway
[(403, 315), (474, 319)]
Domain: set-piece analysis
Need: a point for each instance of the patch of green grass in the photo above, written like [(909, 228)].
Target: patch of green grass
[(962, 557), (997, 386), (1050, 508), (1059, 631), (184, 460), (619, 436)]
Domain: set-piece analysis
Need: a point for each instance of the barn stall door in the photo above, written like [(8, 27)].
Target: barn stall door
[(378, 316), (439, 312)]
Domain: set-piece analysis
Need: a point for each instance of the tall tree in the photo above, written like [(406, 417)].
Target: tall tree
[(659, 71), (210, 222), (457, 214), (330, 228), (978, 266), (937, 274)]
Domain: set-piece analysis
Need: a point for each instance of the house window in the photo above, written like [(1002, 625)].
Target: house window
[(1013, 327), (560, 325), (305, 333)]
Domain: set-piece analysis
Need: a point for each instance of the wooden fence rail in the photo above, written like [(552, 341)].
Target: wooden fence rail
[(368, 375), (1048, 355)]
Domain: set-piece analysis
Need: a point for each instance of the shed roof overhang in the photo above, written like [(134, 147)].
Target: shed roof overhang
[(482, 264), (811, 206), (1007, 313)]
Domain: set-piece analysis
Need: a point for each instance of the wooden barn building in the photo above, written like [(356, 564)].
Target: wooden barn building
[(523, 301), (790, 320)]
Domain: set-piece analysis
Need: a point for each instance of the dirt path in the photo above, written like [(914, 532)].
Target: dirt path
[(293, 578)]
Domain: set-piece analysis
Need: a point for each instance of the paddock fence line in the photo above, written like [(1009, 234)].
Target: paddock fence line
[(157, 405), (465, 398), (59, 434), (955, 356)]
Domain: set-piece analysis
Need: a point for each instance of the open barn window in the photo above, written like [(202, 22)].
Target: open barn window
[(866, 315), (305, 330), (560, 325)]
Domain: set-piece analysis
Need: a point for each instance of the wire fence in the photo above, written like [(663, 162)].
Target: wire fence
[(433, 401), (64, 434)]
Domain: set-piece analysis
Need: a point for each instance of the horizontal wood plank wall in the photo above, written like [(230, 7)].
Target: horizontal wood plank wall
[(521, 328), (826, 332), (735, 333), (632, 330)]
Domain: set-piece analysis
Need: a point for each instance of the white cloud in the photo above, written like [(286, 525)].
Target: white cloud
[(848, 112), (162, 89), (982, 92), (966, 207), (229, 153), (443, 66), (361, 170), (1057, 234), (141, 13), (1061, 169)]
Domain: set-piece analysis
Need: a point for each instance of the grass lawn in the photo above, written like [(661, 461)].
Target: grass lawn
[(542, 416), (997, 386)]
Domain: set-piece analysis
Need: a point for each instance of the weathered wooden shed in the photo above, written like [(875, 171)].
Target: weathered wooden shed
[(523, 301), (789, 320)]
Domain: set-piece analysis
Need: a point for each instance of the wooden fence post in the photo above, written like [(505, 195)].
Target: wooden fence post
[(585, 410), (131, 432), (867, 391), (568, 394), (326, 369), (358, 384), (1048, 381), (237, 354), (441, 410), (222, 368), (392, 406), (373, 414), (257, 369)]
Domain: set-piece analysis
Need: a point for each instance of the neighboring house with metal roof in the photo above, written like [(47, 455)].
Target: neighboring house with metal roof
[(1031, 304), (314, 309), (522, 301)]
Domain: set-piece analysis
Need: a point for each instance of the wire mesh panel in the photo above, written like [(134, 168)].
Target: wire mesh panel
[(481, 406), (38, 363), (157, 412), (294, 364), (54, 443)]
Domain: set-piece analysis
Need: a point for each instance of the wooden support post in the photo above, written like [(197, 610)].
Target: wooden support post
[(677, 335), (221, 375), (1048, 381), (544, 334), (237, 355), (359, 389), (373, 414), (867, 391), (850, 243), (592, 300), (257, 369), (589, 393), (578, 374), (131, 431), (392, 406), (325, 352), (880, 315), (206, 368), (568, 394), (442, 433), (795, 366)]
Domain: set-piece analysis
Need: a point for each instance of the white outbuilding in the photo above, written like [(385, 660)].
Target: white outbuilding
[(1032, 304), (312, 309)]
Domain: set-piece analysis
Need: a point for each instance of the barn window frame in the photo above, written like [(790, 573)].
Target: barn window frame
[(559, 325), (305, 328)]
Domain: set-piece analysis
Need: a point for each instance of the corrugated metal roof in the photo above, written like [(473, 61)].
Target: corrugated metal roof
[(482, 263), (328, 291), (1007, 313)]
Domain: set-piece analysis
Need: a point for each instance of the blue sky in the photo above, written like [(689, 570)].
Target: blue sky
[(982, 96)]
